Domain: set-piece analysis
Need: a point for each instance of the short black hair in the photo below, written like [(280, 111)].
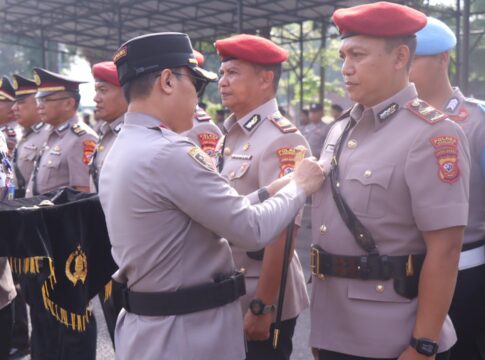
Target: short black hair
[(276, 69), (76, 96), (409, 40)]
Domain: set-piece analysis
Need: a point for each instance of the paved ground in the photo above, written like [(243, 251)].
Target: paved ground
[(301, 350)]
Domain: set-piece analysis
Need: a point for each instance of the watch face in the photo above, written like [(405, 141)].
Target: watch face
[(427, 348), (256, 307)]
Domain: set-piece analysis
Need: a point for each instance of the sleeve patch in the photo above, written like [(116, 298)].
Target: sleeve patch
[(446, 152), (201, 158), (88, 150), (290, 158), (208, 142)]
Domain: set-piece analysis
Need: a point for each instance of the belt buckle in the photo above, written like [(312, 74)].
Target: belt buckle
[(315, 263)]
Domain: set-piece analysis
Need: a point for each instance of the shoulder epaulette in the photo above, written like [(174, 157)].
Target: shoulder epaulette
[(201, 115), (425, 111), (282, 123), (479, 103), (78, 130)]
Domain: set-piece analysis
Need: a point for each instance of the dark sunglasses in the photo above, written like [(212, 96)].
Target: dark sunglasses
[(199, 82)]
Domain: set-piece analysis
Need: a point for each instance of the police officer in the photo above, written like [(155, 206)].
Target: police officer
[(62, 161), (430, 74), (7, 287), (204, 132), (33, 134), (259, 147), (7, 121), (166, 209), (111, 107), (316, 130), (388, 225)]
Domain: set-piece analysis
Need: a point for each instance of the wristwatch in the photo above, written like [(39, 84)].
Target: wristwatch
[(258, 307), (424, 346), (263, 194)]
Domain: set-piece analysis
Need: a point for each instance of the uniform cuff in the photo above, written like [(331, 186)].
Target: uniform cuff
[(443, 217)]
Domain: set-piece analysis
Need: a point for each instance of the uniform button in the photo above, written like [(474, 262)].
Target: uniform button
[(49, 162), (227, 151), (101, 148), (352, 144), (323, 228), (47, 148), (380, 288), (242, 270), (246, 147), (232, 174), (367, 173)]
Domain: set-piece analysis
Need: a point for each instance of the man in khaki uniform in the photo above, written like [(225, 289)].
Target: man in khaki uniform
[(388, 225), (204, 132), (111, 108), (167, 207), (7, 121), (430, 74), (62, 161), (33, 134), (70, 144), (316, 131), (7, 287), (259, 147)]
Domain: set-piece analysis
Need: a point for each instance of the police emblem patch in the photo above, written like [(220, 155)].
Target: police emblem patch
[(446, 152), (201, 158), (388, 112), (88, 150), (208, 142), (252, 122), (79, 271)]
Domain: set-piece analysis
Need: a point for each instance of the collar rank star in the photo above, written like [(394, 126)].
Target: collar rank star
[(252, 122), (388, 112)]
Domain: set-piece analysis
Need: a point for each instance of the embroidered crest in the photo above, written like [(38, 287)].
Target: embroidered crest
[(201, 158), (287, 160), (208, 142), (88, 150), (77, 129), (252, 122), (388, 112), (425, 111), (80, 268), (37, 78), (461, 116), (446, 152), (283, 124), (452, 105)]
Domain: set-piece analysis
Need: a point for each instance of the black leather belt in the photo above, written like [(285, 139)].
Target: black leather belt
[(472, 245), (222, 291), (368, 267)]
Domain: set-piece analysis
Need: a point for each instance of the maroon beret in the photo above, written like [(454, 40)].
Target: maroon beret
[(251, 48), (381, 19), (199, 57), (106, 71)]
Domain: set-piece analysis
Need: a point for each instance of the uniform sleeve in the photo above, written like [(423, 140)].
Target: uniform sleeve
[(206, 197), (78, 160), (437, 172)]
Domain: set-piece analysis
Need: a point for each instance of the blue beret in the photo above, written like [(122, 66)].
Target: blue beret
[(436, 37)]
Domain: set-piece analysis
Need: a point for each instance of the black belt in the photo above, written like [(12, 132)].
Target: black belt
[(222, 291), (473, 245), (367, 267)]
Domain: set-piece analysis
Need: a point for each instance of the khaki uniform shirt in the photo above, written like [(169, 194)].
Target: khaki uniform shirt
[(315, 135), (7, 287), (64, 157), (256, 152), (107, 135), (204, 132), (28, 147), (396, 177), (166, 209), (471, 118)]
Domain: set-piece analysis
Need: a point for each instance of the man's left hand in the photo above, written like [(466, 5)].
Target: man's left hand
[(256, 327)]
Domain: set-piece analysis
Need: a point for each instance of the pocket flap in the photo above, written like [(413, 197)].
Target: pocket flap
[(371, 290), (369, 174)]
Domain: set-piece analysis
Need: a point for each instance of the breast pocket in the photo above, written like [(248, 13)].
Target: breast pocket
[(366, 189), (28, 155), (51, 165)]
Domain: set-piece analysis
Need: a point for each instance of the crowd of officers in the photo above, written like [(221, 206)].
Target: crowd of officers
[(197, 216)]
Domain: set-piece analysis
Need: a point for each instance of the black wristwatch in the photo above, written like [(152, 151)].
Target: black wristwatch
[(258, 307), (263, 194), (424, 346)]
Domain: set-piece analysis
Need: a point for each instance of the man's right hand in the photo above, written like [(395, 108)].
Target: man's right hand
[(309, 175)]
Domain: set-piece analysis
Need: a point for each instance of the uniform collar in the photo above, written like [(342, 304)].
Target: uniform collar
[(384, 112), (37, 127), (61, 129), (254, 118), (114, 126), (141, 119)]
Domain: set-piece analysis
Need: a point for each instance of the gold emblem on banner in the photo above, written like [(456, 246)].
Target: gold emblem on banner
[(80, 260)]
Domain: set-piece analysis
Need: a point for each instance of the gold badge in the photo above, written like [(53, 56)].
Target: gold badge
[(15, 84), (246, 147), (80, 266), (36, 79)]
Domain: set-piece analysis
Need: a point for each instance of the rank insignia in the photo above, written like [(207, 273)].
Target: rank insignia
[(252, 122), (201, 158), (62, 127), (425, 111), (283, 124), (208, 142), (446, 152), (79, 270), (201, 115), (388, 112), (88, 150), (452, 105), (77, 129), (241, 156)]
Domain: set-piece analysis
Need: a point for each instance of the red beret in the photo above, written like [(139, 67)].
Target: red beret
[(251, 48), (106, 71), (199, 57), (381, 19)]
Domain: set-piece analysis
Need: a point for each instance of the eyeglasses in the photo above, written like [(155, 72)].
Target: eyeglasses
[(199, 84), (43, 100)]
